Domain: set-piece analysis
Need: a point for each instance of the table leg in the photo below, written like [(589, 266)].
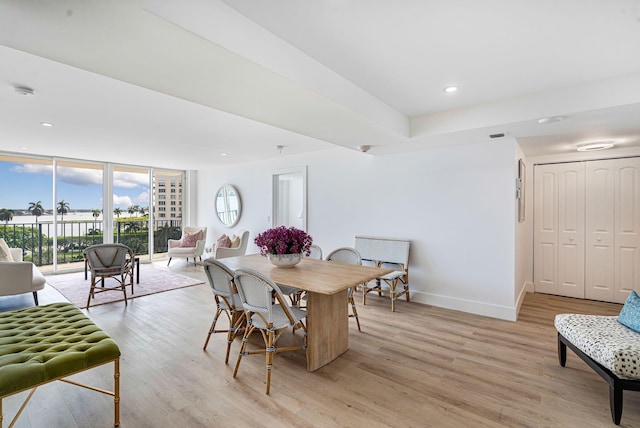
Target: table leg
[(137, 261), (327, 328)]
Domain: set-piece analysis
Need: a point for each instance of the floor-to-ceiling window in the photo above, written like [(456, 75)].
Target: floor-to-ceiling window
[(167, 207), (26, 210), (54, 208), (131, 208), (78, 209)]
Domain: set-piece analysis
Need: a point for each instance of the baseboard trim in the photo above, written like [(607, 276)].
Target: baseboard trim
[(479, 308), (527, 288)]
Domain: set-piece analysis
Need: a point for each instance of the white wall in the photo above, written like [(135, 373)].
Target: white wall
[(455, 204), (524, 235)]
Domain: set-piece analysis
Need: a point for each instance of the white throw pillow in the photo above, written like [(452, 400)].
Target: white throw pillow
[(5, 254)]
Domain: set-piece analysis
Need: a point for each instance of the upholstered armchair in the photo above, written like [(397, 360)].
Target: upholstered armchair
[(18, 277), (234, 250), (191, 245)]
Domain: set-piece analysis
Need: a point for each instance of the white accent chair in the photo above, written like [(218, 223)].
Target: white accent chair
[(20, 277), (240, 250), (175, 250)]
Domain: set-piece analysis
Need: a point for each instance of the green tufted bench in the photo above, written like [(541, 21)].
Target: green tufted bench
[(46, 343)]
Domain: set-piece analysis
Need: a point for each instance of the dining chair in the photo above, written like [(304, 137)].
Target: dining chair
[(109, 261), (295, 294), (227, 301), (271, 318), (315, 252), (351, 256)]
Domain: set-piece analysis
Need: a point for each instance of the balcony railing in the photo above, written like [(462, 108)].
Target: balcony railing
[(36, 239)]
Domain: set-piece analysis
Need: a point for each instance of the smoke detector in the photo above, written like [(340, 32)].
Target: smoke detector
[(23, 90), (364, 148)]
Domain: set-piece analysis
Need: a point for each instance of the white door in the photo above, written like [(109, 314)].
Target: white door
[(600, 233), (587, 229), (571, 218), (627, 228), (545, 221), (559, 229)]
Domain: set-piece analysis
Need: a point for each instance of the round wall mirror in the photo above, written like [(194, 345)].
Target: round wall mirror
[(228, 207)]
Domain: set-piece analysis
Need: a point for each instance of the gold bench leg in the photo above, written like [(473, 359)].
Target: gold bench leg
[(17, 415), (116, 392)]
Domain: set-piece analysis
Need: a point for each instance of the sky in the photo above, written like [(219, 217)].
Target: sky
[(80, 187)]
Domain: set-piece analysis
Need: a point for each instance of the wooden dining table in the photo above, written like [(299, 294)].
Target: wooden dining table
[(326, 284)]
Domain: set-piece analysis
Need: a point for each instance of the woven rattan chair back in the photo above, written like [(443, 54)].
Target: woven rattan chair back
[(351, 256), (267, 310), (109, 261), (315, 252), (345, 255), (227, 300)]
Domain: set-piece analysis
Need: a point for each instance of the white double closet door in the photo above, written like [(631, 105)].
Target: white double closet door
[(587, 229)]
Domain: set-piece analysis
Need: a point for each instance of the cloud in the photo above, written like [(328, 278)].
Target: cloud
[(121, 201), (142, 198), (129, 180), (33, 168), (82, 176), (79, 176)]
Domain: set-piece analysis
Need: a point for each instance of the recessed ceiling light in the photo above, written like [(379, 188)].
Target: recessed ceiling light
[(596, 145), (224, 154), (47, 124), (550, 119), (451, 89), (24, 148)]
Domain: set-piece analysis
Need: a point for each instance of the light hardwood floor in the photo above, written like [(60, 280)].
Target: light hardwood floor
[(418, 367)]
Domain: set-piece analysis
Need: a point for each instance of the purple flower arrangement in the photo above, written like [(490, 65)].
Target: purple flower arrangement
[(283, 240)]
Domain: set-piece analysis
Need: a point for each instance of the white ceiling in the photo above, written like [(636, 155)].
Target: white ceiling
[(175, 83)]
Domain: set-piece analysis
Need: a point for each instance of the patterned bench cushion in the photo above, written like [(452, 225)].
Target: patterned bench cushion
[(605, 340), (44, 343)]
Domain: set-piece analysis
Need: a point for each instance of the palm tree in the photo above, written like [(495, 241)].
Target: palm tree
[(63, 208), (117, 212), (132, 210), (132, 227), (6, 215), (96, 213), (36, 209)]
